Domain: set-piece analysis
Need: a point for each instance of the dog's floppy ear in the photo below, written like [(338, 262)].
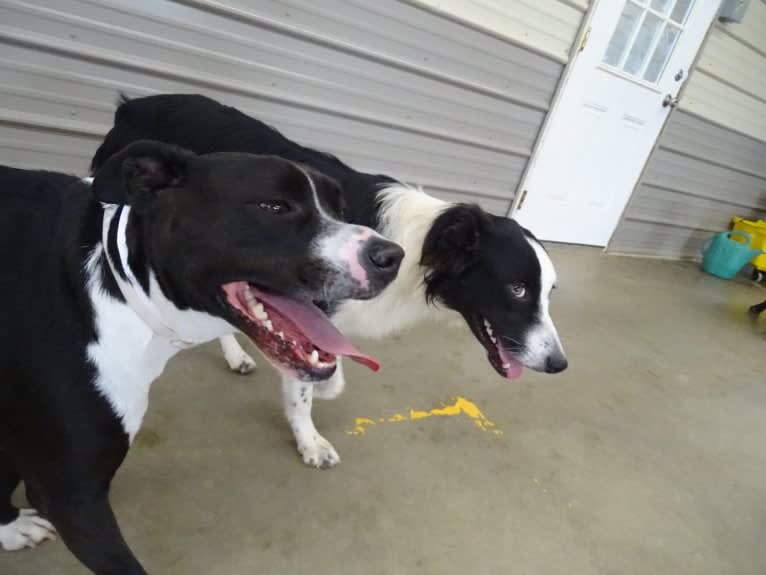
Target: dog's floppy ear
[(454, 234), (451, 244), (136, 173)]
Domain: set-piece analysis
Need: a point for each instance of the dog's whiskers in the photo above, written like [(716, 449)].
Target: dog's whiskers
[(515, 345)]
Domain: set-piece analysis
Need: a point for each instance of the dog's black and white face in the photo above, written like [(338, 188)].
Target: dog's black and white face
[(251, 239), (499, 278)]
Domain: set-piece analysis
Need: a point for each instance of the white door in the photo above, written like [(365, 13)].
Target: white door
[(609, 115)]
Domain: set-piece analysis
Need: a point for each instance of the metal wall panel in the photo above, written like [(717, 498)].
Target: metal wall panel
[(699, 176), (549, 26), (387, 86), (728, 85)]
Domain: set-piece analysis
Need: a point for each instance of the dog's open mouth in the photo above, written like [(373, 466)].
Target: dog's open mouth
[(294, 335), (499, 357)]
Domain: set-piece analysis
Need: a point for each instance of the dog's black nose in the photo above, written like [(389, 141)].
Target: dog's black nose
[(556, 364), (385, 256)]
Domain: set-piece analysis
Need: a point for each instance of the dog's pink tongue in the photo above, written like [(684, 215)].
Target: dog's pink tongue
[(514, 369), (316, 326)]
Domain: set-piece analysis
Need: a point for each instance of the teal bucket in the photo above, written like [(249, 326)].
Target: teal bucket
[(724, 257)]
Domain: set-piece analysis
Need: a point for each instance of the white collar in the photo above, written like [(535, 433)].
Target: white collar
[(135, 297)]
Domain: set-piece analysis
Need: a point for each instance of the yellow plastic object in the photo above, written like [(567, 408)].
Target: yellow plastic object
[(757, 230)]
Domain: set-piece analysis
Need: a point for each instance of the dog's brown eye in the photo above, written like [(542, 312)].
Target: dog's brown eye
[(276, 207), (518, 290)]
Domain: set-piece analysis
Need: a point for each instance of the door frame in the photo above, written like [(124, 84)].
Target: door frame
[(581, 39)]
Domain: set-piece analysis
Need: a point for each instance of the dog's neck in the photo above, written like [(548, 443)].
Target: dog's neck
[(132, 347), (182, 328), (115, 218), (405, 216)]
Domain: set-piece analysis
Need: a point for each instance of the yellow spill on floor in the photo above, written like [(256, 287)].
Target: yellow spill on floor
[(461, 405)]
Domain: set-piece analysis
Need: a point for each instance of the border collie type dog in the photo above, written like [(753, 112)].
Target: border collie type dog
[(458, 257), (101, 285)]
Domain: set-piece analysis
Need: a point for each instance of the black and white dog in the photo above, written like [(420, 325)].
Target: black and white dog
[(458, 257), (100, 285)]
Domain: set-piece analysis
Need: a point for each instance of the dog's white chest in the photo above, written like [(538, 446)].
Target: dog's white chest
[(133, 344), (127, 356)]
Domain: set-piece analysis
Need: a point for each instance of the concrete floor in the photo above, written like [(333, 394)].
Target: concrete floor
[(647, 456)]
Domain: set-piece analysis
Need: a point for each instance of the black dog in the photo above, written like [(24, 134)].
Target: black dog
[(486, 268), (758, 309), (96, 297)]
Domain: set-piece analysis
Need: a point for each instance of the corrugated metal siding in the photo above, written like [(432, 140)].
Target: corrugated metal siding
[(728, 86), (387, 86), (549, 26), (699, 176)]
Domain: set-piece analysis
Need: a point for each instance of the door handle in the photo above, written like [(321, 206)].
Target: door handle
[(670, 100)]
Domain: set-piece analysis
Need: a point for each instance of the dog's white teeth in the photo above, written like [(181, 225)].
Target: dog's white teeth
[(493, 338), (259, 312), (488, 327), (281, 335), (314, 359), (249, 297), (506, 366), (269, 325)]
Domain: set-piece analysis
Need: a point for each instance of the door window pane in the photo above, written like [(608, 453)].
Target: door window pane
[(681, 11), (629, 19), (662, 6), (662, 53), (646, 35), (639, 52)]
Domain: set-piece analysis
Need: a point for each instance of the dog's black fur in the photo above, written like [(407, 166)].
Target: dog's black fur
[(206, 126), (470, 258), (196, 222)]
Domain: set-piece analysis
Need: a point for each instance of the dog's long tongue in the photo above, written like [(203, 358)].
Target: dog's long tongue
[(514, 369), (317, 327)]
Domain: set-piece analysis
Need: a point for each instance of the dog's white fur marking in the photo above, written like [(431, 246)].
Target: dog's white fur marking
[(543, 339), (128, 355), (315, 449), (333, 387), (340, 243), (237, 358), (322, 213), (406, 216), (27, 530)]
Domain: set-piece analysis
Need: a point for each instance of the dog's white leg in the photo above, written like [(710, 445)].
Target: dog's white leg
[(333, 387), (315, 449), (238, 360), (27, 530)]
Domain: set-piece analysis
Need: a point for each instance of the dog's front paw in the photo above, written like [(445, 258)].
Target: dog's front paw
[(319, 453), (246, 365), (28, 530), (239, 361)]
